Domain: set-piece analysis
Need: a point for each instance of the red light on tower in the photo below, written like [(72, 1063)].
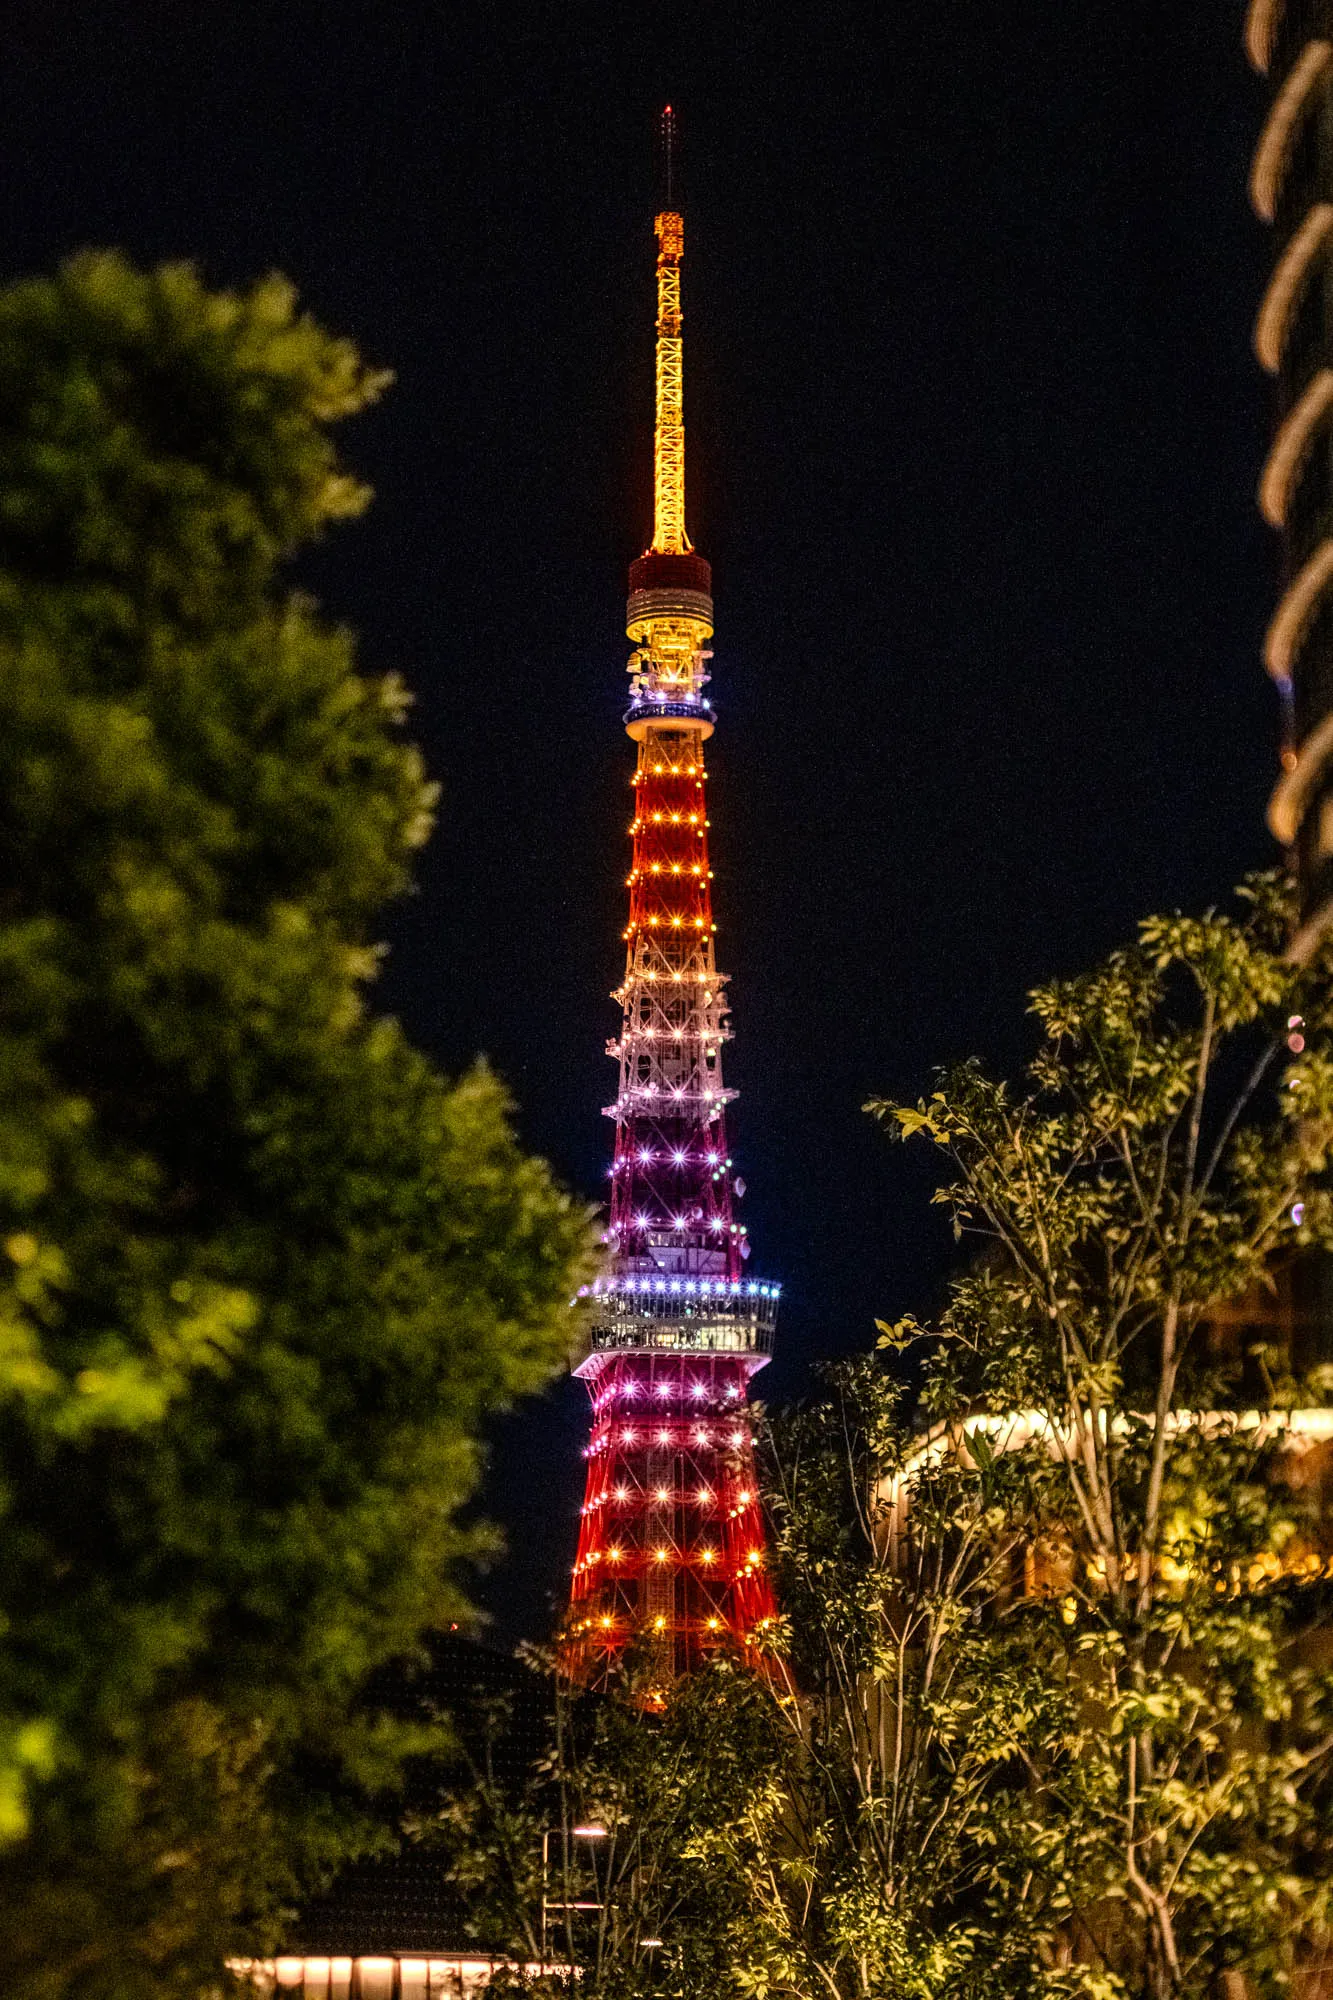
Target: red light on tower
[(672, 1547)]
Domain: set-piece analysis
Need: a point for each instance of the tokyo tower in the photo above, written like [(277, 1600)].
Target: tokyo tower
[(671, 1552)]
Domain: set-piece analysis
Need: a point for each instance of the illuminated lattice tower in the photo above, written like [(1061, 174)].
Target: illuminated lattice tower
[(672, 1546)]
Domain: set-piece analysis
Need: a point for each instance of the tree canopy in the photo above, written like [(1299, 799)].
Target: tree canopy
[(264, 1269), (1122, 1363), (1049, 1708)]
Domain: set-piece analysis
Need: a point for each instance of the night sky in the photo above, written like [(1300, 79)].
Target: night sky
[(973, 434)]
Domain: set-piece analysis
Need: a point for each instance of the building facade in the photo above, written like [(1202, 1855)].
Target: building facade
[(1291, 186)]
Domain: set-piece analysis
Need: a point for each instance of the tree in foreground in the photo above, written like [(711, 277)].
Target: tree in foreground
[(1051, 1709), (1136, 1202), (615, 1851), (1056, 1669), (264, 1270)]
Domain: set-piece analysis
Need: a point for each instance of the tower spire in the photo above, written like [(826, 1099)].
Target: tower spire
[(671, 1551), (669, 536), (669, 155)]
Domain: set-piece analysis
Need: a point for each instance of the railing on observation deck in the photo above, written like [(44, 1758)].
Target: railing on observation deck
[(677, 708), (701, 1315)]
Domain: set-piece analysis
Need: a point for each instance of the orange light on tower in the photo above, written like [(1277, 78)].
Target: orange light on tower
[(675, 1325)]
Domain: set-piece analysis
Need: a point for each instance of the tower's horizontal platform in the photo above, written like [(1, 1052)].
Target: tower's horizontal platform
[(686, 1315), (675, 587), (647, 1101), (649, 708)]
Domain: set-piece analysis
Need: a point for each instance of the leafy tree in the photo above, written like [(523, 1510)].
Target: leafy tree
[(906, 1709), (264, 1270), (1050, 1708), (1169, 1150), (827, 1827), (616, 1853)]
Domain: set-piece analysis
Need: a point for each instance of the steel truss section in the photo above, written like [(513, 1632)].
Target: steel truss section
[(672, 1541)]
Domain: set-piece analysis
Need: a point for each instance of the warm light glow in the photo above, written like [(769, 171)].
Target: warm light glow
[(1286, 283), (1290, 106), (1297, 607), (454, 1973), (669, 536), (1291, 445), (1260, 26)]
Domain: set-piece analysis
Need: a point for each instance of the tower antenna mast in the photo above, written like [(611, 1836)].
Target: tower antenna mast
[(669, 536), (669, 154)]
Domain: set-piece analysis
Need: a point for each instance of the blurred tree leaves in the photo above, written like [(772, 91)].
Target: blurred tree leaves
[(262, 1270)]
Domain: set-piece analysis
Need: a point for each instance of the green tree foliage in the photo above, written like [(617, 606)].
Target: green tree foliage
[(907, 1711), (1168, 1152), (263, 1270), (617, 1851), (1050, 1709)]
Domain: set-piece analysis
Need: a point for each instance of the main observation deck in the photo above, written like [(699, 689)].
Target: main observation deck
[(684, 1315)]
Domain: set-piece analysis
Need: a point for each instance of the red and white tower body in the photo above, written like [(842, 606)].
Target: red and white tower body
[(672, 1544)]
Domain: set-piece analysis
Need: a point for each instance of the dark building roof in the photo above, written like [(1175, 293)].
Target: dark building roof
[(402, 1901)]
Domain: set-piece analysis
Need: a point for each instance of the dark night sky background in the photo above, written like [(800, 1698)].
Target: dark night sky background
[(974, 430)]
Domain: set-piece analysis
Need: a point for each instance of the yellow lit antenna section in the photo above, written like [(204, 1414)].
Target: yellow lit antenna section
[(669, 536), (669, 615)]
